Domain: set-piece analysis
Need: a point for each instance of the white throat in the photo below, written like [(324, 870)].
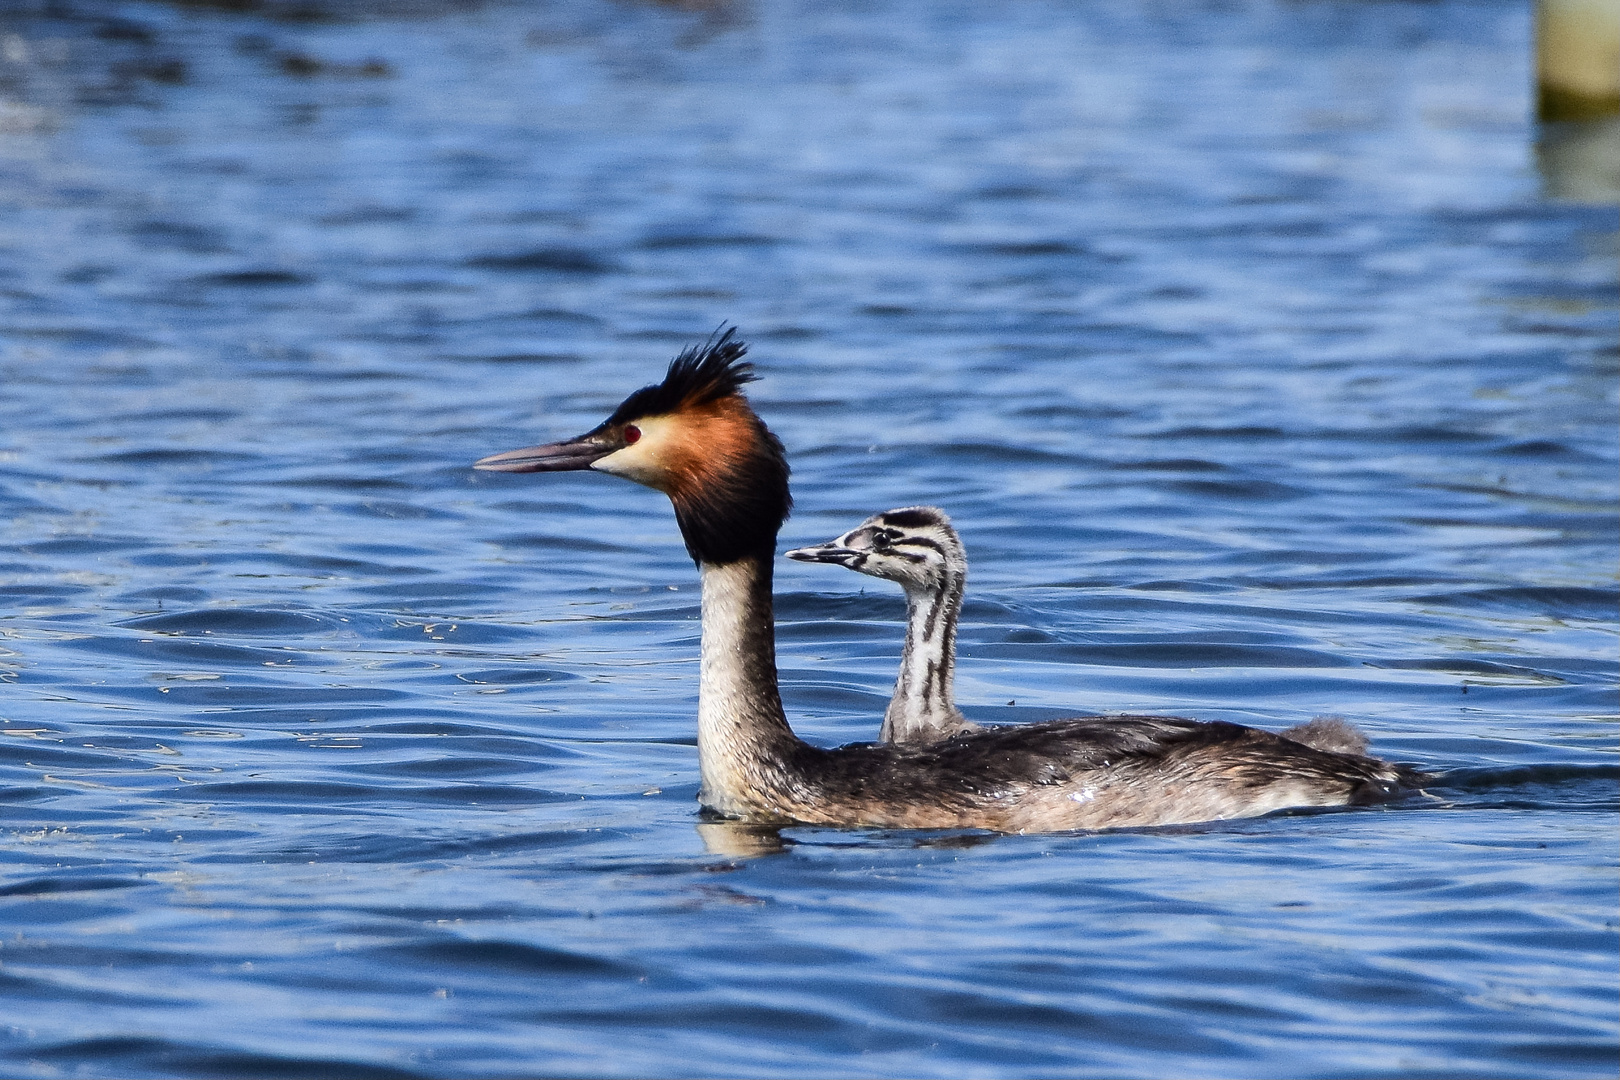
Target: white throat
[(740, 719), (923, 708)]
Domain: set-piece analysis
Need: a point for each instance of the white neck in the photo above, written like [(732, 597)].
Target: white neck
[(923, 708), (742, 730)]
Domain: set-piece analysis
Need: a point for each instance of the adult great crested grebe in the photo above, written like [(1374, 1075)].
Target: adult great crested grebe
[(917, 548), (695, 437)]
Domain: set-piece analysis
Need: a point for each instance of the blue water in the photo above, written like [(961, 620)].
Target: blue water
[(1238, 338)]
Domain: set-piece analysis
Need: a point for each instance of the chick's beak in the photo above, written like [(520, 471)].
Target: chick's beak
[(831, 552), (566, 456)]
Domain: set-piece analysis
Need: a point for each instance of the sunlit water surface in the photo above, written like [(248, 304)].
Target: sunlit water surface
[(1239, 340)]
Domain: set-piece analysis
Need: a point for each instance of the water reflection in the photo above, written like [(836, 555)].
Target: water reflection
[(1579, 160), (736, 839)]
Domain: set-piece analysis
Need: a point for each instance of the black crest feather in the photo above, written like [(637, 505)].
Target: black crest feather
[(914, 517), (700, 374)]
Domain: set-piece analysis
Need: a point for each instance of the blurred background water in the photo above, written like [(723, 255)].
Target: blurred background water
[(1263, 373)]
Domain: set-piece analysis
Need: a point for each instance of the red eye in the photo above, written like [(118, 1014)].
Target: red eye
[(631, 434)]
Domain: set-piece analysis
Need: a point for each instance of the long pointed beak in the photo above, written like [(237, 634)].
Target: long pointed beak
[(830, 552), (573, 454)]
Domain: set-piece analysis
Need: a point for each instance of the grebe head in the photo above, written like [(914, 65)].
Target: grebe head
[(695, 438), (914, 546)]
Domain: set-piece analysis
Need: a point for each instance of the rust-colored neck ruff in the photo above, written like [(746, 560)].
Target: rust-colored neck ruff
[(727, 476)]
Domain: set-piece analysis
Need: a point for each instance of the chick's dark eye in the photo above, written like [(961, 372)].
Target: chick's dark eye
[(631, 434)]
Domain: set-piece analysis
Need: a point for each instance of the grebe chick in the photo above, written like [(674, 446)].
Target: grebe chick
[(695, 438), (916, 547)]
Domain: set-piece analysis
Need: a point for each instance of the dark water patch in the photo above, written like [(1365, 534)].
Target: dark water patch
[(1560, 1054), (340, 482), (1169, 465), (1332, 578), (1260, 490), (1075, 411), (1548, 600), (556, 315), (811, 607), (1292, 559), (199, 414), (464, 764), (181, 236), (45, 989), (413, 598), (15, 504), (807, 690), (456, 724), (408, 285), (41, 591), (699, 241), (526, 844), (544, 541), (235, 622), (245, 688), (368, 215), (525, 675), (332, 564), (395, 510), (1143, 654), (1190, 588), (1419, 435), (655, 611), (83, 337), (993, 454), (1536, 448), (1240, 433), (164, 1057), (193, 457), (186, 653), (508, 957), (466, 633), (1204, 1005), (87, 545), (731, 1018), (1035, 1020), (540, 359), (554, 260), (343, 713), (55, 885), (1025, 249), (293, 797), (1464, 666), (1013, 192), (251, 279), (1550, 775), (49, 753), (850, 633)]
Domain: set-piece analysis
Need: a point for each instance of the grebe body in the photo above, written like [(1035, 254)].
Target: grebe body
[(695, 437)]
